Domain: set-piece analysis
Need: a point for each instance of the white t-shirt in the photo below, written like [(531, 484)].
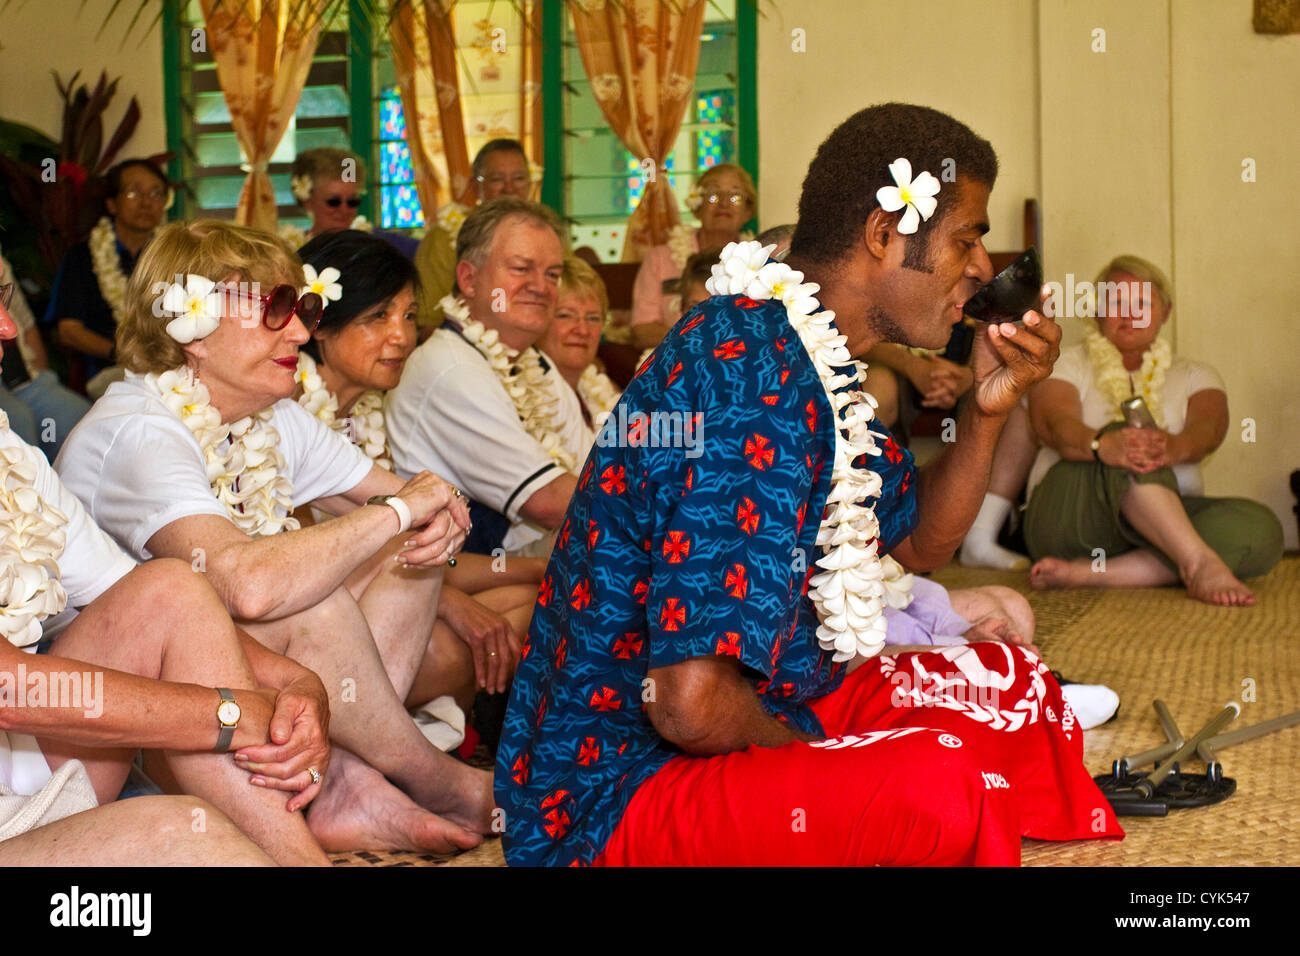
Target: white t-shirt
[(1185, 379), (451, 415), (89, 565), (137, 468)]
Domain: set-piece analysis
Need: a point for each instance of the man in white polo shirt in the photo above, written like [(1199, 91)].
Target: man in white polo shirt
[(474, 404)]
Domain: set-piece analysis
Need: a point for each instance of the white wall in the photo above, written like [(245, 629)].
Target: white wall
[(37, 36)]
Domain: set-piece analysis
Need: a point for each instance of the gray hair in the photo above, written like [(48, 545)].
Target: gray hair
[(474, 240)]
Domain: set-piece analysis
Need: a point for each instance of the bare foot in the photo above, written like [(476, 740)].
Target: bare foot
[(360, 810), (463, 795), (1212, 582), (1054, 573)]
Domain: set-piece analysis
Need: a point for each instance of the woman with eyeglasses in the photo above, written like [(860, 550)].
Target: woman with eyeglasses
[(202, 454), (724, 199), (329, 183)]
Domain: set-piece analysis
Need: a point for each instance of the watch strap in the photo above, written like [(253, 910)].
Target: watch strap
[(1096, 444), (397, 504), (226, 732)]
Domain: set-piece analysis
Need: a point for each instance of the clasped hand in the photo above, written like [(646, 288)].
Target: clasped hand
[(1138, 449), (439, 521), (298, 738)]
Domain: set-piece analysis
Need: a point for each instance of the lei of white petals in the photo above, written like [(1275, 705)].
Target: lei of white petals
[(248, 476), (292, 234), (1117, 383), (108, 267), (450, 218), (522, 377), (681, 244), (32, 537), (598, 393), (849, 593), (363, 426)]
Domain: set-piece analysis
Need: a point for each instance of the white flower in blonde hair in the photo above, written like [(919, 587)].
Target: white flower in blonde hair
[(197, 307), (326, 285), (301, 187), (694, 199), (916, 194)]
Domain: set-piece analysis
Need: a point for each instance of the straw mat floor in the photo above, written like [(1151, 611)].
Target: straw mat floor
[(1147, 644)]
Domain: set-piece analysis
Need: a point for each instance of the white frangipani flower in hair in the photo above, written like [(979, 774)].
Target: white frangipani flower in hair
[(326, 285), (916, 194), (197, 307)]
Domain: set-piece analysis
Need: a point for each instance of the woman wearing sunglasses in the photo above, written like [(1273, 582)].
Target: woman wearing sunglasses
[(328, 183), (356, 354), (202, 454)]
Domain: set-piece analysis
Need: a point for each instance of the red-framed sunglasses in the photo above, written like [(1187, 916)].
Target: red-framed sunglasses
[(283, 304)]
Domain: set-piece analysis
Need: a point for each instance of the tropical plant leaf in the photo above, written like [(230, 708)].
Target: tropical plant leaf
[(130, 119)]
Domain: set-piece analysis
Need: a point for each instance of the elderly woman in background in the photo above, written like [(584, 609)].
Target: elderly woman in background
[(724, 199), (571, 340), (328, 183), (202, 454), (1134, 495), (356, 354), (150, 661)]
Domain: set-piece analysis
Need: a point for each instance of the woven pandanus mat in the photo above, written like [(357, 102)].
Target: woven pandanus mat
[(1158, 643)]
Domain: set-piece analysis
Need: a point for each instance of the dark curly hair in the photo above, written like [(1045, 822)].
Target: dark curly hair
[(839, 191), (372, 272)]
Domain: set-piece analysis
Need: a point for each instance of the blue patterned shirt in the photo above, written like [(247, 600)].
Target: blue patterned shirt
[(692, 533)]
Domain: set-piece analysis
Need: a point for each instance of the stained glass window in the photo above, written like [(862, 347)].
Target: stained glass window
[(716, 109), (399, 203)]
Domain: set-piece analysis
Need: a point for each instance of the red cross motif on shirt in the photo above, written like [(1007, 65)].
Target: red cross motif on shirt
[(728, 646), (810, 415), (892, 451), (736, 581), (606, 699), (593, 533), (581, 596), (586, 475), (646, 364), (689, 483), (747, 516), (561, 653), (785, 373), (799, 515), (770, 399), (613, 481), (564, 535), (545, 592), (906, 482), (672, 376), (745, 302), (627, 645), (759, 451), (677, 547), (672, 615), (691, 324), (558, 819), (519, 769), (638, 428), (640, 590), (541, 710), (730, 349), (588, 751)]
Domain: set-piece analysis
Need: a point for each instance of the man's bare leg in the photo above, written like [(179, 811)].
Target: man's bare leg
[(163, 621), (143, 831)]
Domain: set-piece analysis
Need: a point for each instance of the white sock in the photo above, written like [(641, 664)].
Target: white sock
[(980, 549), (1093, 704)]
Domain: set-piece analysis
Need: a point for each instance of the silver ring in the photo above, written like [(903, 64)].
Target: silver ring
[(315, 774)]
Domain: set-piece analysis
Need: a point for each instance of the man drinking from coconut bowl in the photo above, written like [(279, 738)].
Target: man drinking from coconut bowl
[(702, 683)]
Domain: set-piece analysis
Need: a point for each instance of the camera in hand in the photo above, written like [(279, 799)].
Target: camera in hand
[(1136, 413), (1010, 293)]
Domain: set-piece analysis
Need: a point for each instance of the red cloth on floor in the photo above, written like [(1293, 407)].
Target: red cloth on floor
[(938, 758)]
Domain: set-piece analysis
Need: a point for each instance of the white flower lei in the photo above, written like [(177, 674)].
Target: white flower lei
[(598, 393), (364, 426), (247, 476), (849, 593), (1117, 383), (292, 234), (108, 267), (450, 218), (32, 537), (522, 376)]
